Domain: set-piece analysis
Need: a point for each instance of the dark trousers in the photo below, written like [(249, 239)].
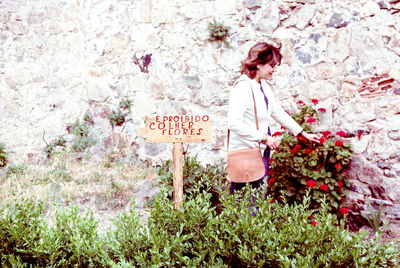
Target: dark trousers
[(237, 186)]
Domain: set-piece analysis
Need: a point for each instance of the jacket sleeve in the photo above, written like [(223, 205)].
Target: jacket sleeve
[(240, 100), (284, 118)]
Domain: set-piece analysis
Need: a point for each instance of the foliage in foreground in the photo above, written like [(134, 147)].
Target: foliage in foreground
[(196, 178), (26, 239), (280, 235)]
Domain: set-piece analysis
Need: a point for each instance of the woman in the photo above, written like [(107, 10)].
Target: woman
[(258, 67)]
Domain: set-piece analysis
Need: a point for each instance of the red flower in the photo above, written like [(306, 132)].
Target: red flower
[(338, 166), (311, 183), (321, 140), (276, 134), (272, 200), (341, 133), (295, 149), (310, 120), (280, 198), (315, 101), (301, 102), (343, 211), (317, 170), (322, 110), (283, 128), (301, 138), (340, 183), (338, 143), (271, 182), (314, 223), (307, 151), (326, 133), (324, 187), (271, 160), (311, 216), (270, 172), (359, 134)]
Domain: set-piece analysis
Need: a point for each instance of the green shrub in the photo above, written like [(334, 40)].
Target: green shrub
[(211, 178), (218, 32), (27, 240), (195, 235), (3, 155), (81, 130), (129, 240), (375, 218), (73, 241), (280, 235), (21, 229), (49, 149), (125, 104), (299, 164), (174, 238), (17, 170), (117, 117)]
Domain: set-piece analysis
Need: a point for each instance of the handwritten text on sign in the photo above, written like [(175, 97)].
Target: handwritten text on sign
[(178, 128)]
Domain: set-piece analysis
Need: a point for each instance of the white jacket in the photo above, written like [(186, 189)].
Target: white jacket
[(241, 120)]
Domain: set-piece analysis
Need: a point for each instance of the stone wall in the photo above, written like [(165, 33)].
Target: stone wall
[(60, 59)]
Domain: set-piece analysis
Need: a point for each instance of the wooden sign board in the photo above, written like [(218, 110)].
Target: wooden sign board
[(178, 128)]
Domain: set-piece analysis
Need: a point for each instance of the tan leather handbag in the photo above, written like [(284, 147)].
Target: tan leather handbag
[(246, 165)]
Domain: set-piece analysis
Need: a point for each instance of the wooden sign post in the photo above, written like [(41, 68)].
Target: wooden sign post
[(178, 129)]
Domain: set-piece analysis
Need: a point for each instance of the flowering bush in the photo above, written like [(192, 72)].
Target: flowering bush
[(299, 164)]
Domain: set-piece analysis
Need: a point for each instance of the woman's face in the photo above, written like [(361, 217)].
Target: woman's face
[(265, 71)]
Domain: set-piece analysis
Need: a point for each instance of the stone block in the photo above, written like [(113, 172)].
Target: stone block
[(163, 11), (252, 4), (361, 145), (393, 122), (267, 18), (395, 71), (360, 112), (225, 7), (142, 11), (143, 105), (197, 10), (369, 9), (321, 90), (98, 92), (327, 70), (338, 45), (348, 90), (304, 16)]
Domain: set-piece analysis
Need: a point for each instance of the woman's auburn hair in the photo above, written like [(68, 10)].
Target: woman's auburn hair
[(260, 54)]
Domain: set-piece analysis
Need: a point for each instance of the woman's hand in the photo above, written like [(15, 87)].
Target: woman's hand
[(311, 137), (271, 142)]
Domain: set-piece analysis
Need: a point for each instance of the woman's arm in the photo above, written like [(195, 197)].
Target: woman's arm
[(288, 122), (311, 137)]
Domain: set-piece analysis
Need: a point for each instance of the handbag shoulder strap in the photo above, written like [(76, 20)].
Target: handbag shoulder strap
[(255, 115)]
